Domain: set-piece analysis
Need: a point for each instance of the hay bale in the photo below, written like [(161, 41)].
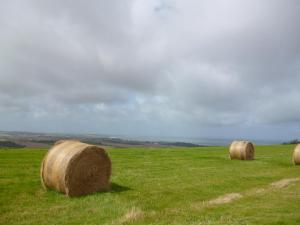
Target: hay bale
[(296, 155), (76, 168), (243, 150)]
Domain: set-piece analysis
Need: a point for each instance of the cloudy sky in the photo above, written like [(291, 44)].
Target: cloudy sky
[(187, 68)]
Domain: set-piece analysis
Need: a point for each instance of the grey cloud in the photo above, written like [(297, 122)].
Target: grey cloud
[(190, 66)]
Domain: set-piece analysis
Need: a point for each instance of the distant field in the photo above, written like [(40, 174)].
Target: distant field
[(160, 186)]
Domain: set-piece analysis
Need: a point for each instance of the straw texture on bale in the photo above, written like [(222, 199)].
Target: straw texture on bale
[(296, 155), (243, 150), (76, 168)]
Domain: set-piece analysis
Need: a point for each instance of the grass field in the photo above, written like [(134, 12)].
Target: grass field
[(158, 186)]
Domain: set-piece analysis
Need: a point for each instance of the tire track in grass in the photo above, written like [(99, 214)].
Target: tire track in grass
[(135, 214)]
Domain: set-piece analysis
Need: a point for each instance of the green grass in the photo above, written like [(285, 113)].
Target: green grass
[(157, 186)]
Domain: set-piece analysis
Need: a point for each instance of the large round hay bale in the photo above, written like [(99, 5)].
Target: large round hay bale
[(296, 155), (243, 150), (76, 168)]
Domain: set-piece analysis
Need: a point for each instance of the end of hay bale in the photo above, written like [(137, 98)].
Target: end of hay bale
[(76, 168), (242, 150), (296, 155)]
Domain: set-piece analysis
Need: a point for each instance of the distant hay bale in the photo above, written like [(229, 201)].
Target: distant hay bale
[(76, 168), (243, 150), (296, 155)]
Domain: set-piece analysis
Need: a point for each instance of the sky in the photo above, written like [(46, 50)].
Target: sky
[(178, 68)]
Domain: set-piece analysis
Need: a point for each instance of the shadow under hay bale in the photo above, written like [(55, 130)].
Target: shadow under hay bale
[(76, 168), (116, 188), (296, 155), (243, 150)]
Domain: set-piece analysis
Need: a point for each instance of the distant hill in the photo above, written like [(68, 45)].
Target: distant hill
[(10, 144), (46, 140), (295, 141)]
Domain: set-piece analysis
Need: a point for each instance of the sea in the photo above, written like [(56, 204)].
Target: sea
[(193, 140)]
